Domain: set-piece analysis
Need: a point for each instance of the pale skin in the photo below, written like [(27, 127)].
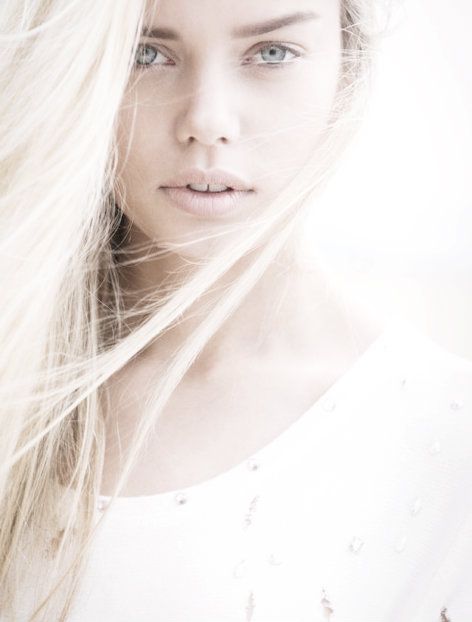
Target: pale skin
[(291, 338)]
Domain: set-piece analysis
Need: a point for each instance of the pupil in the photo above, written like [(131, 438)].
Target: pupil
[(273, 51), (145, 54)]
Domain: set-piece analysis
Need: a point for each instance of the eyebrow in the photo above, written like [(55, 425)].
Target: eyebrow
[(250, 30)]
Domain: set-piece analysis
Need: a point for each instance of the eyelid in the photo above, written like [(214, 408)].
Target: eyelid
[(283, 46), (158, 48), (254, 50), (267, 44)]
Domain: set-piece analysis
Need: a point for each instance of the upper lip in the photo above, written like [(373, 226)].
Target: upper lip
[(213, 176)]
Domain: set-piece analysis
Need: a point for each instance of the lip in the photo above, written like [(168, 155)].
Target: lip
[(212, 176), (206, 204)]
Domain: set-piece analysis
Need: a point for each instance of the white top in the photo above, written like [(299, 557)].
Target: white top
[(366, 496)]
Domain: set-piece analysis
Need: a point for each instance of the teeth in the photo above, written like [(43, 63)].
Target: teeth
[(198, 187), (208, 187)]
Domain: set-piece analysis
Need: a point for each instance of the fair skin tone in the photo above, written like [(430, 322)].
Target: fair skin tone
[(200, 106)]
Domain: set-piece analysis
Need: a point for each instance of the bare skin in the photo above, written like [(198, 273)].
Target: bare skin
[(200, 105), (223, 413)]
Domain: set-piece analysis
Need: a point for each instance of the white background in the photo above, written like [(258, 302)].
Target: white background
[(395, 224)]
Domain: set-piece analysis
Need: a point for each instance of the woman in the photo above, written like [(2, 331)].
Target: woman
[(195, 424)]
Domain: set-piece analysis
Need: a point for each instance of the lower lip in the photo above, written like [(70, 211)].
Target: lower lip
[(206, 204)]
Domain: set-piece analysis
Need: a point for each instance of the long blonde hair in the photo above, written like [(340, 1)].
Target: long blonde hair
[(64, 328)]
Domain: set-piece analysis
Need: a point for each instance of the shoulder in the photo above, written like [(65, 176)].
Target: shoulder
[(444, 375), (436, 391), (426, 359)]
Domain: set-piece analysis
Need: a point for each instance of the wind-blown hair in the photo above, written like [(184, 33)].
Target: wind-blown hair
[(64, 325)]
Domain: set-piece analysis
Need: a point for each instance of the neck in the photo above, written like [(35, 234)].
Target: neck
[(288, 312)]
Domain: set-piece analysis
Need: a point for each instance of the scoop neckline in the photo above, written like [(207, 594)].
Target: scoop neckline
[(395, 327)]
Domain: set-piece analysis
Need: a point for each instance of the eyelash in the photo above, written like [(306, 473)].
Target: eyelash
[(267, 45)]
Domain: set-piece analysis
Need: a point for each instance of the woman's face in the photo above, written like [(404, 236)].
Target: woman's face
[(223, 85)]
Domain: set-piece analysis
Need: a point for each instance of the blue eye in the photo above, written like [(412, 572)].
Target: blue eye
[(277, 54), (272, 54), (147, 54)]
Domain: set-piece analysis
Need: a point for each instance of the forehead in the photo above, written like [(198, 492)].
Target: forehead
[(230, 17)]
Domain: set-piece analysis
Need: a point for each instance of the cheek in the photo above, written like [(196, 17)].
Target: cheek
[(139, 149), (299, 100), (295, 122)]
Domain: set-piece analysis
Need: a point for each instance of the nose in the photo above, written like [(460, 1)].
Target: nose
[(208, 116)]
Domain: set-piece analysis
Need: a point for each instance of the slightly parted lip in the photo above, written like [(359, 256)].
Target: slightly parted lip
[(212, 176)]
